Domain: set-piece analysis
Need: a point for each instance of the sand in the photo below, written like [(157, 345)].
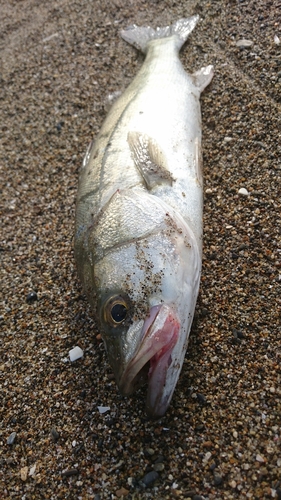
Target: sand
[(65, 431)]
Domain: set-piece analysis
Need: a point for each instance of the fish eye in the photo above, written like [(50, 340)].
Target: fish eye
[(116, 310)]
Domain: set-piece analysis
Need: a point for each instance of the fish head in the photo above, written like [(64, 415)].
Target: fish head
[(146, 270)]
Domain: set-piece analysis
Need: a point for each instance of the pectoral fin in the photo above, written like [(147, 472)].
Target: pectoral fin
[(149, 159)]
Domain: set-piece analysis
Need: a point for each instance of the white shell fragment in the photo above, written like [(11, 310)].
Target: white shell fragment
[(243, 192), (75, 353)]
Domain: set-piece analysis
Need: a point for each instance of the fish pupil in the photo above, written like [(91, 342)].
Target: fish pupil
[(118, 313)]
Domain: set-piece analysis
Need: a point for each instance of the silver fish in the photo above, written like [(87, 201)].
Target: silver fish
[(138, 235)]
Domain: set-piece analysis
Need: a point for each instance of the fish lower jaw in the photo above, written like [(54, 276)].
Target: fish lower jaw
[(152, 361)]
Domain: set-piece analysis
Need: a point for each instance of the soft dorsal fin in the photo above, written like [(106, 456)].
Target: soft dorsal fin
[(149, 160)]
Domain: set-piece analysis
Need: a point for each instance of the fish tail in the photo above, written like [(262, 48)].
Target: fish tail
[(140, 36)]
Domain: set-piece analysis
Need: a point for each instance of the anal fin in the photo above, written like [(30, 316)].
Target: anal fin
[(149, 160)]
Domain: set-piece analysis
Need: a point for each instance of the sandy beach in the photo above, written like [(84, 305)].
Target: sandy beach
[(65, 431)]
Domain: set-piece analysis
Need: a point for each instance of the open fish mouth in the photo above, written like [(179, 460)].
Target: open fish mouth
[(151, 362)]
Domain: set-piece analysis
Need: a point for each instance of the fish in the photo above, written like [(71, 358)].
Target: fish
[(139, 210)]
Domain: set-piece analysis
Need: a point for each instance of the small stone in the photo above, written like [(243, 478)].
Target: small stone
[(207, 456), (276, 40), (159, 467), (32, 470), (243, 192), (150, 451), (23, 473), (149, 478), (70, 472), (238, 334), (278, 491), (244, 43), (190, 494), (217, 479), (55, 435), (207, 444), (11, 438), (75, 353), (201, 398), (122, 492), (103, 409), (31, 297), (259, 458)]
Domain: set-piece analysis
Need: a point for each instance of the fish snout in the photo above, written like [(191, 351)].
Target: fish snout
[(160, 333)]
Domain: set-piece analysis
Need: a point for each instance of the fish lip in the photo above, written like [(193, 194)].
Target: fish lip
[(160, 335)]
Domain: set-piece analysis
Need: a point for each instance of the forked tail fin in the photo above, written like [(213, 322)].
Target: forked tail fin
[(139, 36)]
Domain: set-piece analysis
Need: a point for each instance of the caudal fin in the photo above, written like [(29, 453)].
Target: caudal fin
[(139, 36)]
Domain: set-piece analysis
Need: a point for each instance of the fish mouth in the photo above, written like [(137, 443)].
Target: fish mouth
[(152, 360)]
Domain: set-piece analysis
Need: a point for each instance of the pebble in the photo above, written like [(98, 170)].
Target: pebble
[(11, 439), (190, 494), (32, 470), (149, 479), (243, 192), (76, 353), (70, 472), (207, 444), (217, 479), (123, 492), (31, 297), (150, 451), (23, 473), (278, 491), (55, 435), (103, 409), (201, 398), (159, 467), (244, 43)]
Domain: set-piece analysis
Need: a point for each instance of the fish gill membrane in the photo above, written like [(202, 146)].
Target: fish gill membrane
[(138, 234)]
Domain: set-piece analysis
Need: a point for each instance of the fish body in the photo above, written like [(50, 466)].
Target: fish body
[(138, 234)]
